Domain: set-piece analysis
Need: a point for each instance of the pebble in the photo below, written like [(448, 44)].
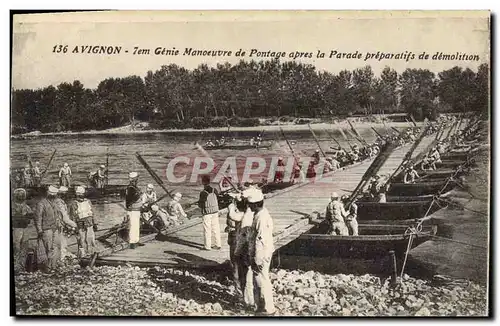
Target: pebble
[(141, 291)]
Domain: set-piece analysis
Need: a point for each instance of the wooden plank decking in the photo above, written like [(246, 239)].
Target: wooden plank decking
[(289, 210)]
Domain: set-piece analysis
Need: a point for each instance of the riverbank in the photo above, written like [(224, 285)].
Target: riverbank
[(144, 129), (156, 291)]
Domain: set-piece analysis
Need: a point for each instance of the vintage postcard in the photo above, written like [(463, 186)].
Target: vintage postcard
[(251, 163)]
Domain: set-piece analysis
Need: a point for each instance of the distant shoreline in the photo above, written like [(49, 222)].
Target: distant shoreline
[(286, 127)]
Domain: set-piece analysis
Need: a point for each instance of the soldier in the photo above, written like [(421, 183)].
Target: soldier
[(65, 176), (239, 226), (82, 214), (134, 205), (21, 219), (37, 174), (352, 214), (66, 227), (100, 177), (46, 225), (261, 251), (209, 206), (410, 175), (335, 214), (175, 210)]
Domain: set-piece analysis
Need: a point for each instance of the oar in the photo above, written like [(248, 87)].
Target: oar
[(107, 168), (48, 165), (377, 133), (345, 137), (334, 139), (361, 139), (153, 174), (413, 120), (316, 139)]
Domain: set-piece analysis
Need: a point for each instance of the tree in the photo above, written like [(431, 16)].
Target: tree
[(418, 89), (481, 90)]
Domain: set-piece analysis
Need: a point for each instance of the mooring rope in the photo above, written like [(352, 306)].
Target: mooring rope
[(459, 242)]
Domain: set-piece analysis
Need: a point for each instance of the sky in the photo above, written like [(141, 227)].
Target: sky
[(36, 65)]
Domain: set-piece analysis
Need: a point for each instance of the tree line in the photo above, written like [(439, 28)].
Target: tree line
[(175, 97)]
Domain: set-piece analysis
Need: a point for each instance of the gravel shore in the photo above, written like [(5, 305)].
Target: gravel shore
[(134, 291)]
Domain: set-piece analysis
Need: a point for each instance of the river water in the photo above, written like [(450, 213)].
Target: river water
[(84, 153)]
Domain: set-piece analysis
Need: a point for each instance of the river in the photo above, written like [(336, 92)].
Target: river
[(84, 153)]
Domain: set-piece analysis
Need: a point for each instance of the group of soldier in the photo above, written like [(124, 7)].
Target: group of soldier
[(143, 208), (250, 240), (55, 219)]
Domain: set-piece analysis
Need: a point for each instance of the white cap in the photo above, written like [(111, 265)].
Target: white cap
[(254, 195), (155, 208), (103, 166), (150, 186), (37, 163), (66, 164), (133, 175), (63, 189), (80, 190), (334, 195), (280, 158), (53, 190), (178, 195), (317, 151)]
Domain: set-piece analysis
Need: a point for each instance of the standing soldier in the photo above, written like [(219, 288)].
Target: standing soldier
[(28, 181), (101, 177), (315, 157), (37, 175), (82, 214), (65, 226), (65, 176), (239, 229), (280, 170), (352, 214), (46, 225), (133, 204), (335, 214), (261, 252), (209, 206), (21, 218)]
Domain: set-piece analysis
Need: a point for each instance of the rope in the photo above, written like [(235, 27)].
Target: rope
[(465, 208), (460, 242), (410, 242)]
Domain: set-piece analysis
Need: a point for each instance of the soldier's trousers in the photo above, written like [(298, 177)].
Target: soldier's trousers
[(263, 290)]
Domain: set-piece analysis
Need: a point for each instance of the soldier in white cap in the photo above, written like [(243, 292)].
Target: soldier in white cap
[(335, 215), (316, 157), (81, 213), (261, 251), (134, 204), (65, 226), (46, 225), (175, 210), (37, 174), (100, 176), (65, 176), (149, 197)]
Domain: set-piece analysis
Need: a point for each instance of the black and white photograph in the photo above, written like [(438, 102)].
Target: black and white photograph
[(250, 163)]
